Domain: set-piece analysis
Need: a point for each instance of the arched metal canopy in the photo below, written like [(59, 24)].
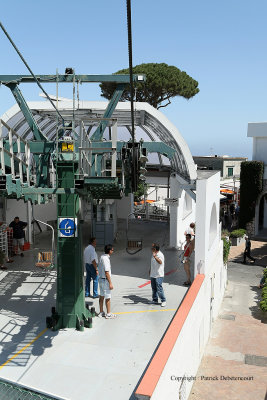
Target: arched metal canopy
[(154, 124)]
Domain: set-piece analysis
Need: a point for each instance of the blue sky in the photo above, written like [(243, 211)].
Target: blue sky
[(220, 44)]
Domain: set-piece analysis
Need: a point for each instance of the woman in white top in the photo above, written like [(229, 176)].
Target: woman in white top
[(105, 284)]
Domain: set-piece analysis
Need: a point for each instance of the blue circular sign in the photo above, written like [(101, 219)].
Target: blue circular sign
[(67, 227)]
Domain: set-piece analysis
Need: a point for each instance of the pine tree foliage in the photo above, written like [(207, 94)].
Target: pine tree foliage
[(163, 82)]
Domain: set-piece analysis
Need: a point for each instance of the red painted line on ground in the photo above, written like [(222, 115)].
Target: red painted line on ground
[(171, 272), (160, 358), (144, 284), (148, 282)]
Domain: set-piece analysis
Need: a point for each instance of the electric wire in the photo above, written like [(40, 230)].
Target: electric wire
[(129, 28), (29, 69)]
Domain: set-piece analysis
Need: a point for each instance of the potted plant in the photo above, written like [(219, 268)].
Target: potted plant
[(263, 303), (238, 237)]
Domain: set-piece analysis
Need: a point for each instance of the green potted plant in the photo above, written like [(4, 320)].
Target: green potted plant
[(263, 303), (237, 237)]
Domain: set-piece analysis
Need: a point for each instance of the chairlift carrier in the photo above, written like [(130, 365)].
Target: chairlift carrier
[(46, 259), (133, 245)]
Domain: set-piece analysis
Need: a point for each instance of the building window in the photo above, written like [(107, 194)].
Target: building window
[(230, 171)]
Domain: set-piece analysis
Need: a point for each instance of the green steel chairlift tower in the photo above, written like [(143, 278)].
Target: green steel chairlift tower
[(84, 167)]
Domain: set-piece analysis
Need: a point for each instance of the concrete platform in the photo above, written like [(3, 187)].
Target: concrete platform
[(106, 361)]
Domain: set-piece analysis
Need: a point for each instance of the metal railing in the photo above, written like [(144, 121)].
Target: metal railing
[(151, 212), (89, 154), (19, 160), (14, 391)]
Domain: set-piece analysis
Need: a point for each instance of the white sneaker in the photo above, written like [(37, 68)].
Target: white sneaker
[(111, 316), (101, 315), (163, 304)]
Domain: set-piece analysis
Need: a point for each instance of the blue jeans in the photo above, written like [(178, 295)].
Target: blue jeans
[(91, 274), (157, 289)]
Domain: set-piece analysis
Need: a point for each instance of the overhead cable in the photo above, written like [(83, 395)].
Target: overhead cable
[(129, 26), (29, 69)]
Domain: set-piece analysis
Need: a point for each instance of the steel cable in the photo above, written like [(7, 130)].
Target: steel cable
[(29, 69), (129, 28)]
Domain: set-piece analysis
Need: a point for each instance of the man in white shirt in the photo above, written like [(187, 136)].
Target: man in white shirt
[(157, 275), (91, 261), (105, 284)]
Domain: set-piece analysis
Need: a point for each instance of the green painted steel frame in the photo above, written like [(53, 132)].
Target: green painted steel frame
[(98, 134), (38, 135), (68, 78), (12, 81), (70, 308)]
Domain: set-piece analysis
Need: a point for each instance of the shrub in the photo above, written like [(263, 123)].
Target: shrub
[(251, 178), (238, 233), (263, 303), (225, 233), (226, 249)]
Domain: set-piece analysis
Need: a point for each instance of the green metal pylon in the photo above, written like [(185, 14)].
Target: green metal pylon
[(70, 311)]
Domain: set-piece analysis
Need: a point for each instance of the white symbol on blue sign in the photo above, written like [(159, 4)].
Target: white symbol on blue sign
[(67, 227)]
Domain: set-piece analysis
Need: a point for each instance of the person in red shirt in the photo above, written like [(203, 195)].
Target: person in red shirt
[(188, 248)]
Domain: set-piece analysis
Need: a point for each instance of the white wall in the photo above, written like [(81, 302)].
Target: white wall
[(158, 193), (162, 187), (188, 350), (181, 216), (16, 208), (45, 212), (260, 149), (258, 131), (189, 347), (236, 165), (208, 234)]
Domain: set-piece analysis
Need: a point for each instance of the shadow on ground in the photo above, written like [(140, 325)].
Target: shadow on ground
[(26, 297), (260, 254)]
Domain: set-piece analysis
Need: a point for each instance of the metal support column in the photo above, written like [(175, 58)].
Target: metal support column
[(29, 221), (70, 307)]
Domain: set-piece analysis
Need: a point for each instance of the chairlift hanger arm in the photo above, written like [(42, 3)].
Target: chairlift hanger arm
[(38, 135), (159, 147), (98, 134)]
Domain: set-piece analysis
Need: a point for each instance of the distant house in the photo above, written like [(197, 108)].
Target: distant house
[(228, 166)]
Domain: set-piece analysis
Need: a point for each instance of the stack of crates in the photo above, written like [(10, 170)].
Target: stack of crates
[(10, 241), (4, 239)]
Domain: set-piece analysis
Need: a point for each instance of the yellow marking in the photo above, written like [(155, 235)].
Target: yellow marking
[(142, 311), (24, 348)]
